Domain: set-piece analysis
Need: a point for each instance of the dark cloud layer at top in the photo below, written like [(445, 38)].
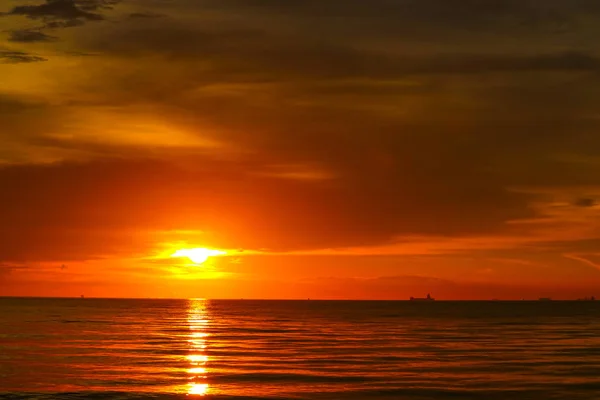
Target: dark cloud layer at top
[(56, 9), (59, 14), (424, 21), (240, 51)]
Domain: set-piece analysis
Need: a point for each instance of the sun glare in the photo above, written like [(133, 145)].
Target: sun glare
[(198, 255)]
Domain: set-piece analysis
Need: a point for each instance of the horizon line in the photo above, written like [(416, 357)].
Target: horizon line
[(541, 299)]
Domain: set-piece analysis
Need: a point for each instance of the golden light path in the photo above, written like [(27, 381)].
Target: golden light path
[(197, 322), (198, 255)]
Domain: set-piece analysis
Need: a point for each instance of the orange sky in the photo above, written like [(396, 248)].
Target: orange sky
[(334, 149)]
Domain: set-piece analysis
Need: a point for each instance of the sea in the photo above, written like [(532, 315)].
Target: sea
[(307, 349)]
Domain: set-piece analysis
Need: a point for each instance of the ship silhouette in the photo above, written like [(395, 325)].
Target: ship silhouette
[(428, 298)]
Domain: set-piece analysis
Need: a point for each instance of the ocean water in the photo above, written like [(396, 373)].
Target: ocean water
[(216, 349)]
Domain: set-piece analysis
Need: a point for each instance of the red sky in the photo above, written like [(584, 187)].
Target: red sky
[(333, 149)]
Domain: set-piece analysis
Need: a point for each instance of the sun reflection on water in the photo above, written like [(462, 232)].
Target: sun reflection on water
[(197, 323), (198, 388)]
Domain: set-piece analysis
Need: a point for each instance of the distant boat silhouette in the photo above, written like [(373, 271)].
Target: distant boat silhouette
[(428, 298), (588, 299)]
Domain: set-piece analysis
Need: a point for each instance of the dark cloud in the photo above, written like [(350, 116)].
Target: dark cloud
[(422, 21), (8, 269), (16, 57), (241, 51), (80, 54), (18, 115), (29, 36), (145, 15), (94, 5), (66, 10), (60, 14), (585, 202), (64, 24), (11, 104), (475, 64), (465, 11)]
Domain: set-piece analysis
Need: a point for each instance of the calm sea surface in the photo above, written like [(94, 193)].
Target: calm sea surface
[(136, 349)]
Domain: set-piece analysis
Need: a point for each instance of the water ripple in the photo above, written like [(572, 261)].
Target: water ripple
[(174, 349)]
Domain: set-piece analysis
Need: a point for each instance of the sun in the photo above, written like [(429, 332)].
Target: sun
[(197, 255)]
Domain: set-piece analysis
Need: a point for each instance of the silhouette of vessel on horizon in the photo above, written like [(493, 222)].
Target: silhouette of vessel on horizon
[(428, 298)]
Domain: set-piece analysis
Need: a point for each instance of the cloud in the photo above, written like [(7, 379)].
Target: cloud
[(585, 259), (410, 14), (294, 57), (60, 14), (330, 133), (585, 202), (235, 208), (93, 5), (66, 10), (8, 270), (17, 57), (29, 36), (145, 15), (64, 23)]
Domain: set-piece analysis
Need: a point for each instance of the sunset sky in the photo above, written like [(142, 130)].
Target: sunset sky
[(332, 149)]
